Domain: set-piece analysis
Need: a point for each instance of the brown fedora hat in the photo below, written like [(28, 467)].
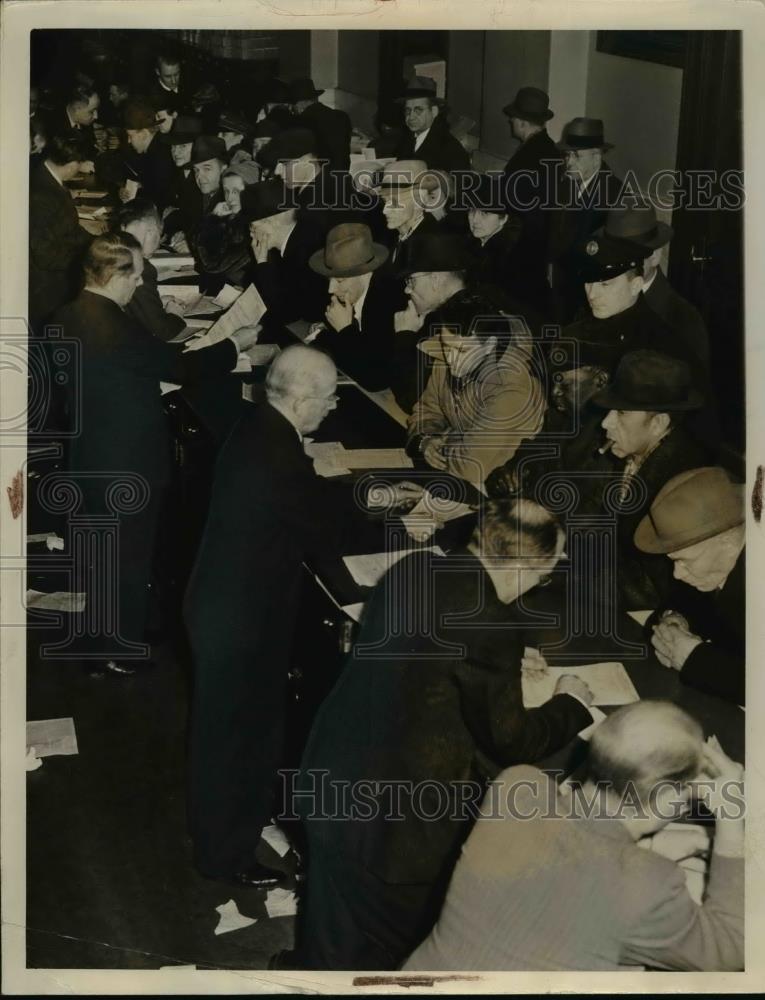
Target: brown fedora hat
[(650, 381), (403, 174), (637, 224), (531, 104), (690, 508), (348, 252), (584, 133)]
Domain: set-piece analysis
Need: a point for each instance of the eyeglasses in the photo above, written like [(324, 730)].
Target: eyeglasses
[(325, 399)]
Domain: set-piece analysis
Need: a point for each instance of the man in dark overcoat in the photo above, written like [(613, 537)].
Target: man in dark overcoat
[(331, 126)]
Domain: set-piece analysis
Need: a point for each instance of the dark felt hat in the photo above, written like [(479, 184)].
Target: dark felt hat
[(266, 198), (276, 92), (139, 115), (349, 251), (531, 104), (290, 144), (584, 133), (601, 257), (233, 121), (482, 191), (586, 349), (185, 129), (637, 224), (650, 381), (436, 252), (303, 89), (208, 147), (267, 128), (691, 507), (419, 86)]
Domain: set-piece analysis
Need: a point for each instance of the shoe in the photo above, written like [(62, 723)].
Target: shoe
[(257, 876)]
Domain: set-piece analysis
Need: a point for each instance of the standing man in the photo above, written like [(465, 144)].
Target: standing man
[(587, 190), (78, 114), (531, 180), (428, 137), (151, 162), (268, 512), (697, 519), (166, 87), (331, 127)]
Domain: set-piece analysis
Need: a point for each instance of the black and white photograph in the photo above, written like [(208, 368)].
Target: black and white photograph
[(381, 448)]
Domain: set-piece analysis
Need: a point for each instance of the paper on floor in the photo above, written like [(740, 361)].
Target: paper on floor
[(609, 683), (281, 903), (367, 569), (231, 919), (51, 539), (52, 737), (32, 762), (274, 836), (60, 600)]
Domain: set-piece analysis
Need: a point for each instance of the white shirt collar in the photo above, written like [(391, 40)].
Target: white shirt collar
[(54, 175), (170, 90), (359, 304), (73, 124), (287, 234), (582, 186), (409, 232), (648, 284), (419, 139)]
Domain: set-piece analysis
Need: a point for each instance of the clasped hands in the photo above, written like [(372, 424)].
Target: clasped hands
[(408, 319), (673, 641)]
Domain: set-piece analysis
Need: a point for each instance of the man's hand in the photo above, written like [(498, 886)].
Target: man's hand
[(178, 243), (432, 451), (677, 845), (174, 306), (246, 336), (408, 319), (339, 313), (421, 527), (533, 664), (261, 244), (717, 772), (222, 208), (87, 167), (673, 644), (569, 684), (502, 482)]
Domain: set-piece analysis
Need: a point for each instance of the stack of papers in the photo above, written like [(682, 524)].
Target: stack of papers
[(52, 737), (247, 310), (609, 683), (332, 459), (433, 509), (368, 569)]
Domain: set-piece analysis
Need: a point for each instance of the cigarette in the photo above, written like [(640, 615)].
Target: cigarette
[(606, 447)]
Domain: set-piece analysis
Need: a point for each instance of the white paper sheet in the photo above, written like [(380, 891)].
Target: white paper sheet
[(597, 717), (641, 617), (609, 683), (367, 569), (275, 837), (248, 310), (60, 600), (51, 539), (231, 919), (431, 510), (167, 260), (281, 903), (52, 737), (377, 458), (354, 610)]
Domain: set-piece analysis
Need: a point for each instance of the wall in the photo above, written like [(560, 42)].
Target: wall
[(359, 63), (324, 58), (640, 105), (294, 52), (567, 84)]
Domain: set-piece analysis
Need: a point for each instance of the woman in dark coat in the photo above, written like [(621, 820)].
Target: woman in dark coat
[(224, 235)]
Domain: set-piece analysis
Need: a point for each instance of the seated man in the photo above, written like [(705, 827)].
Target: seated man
[(331, 126), (697, 519), (358, 331), (482, 398), (162, 319), (554, 880), (428, 706), (235, 131), (401, 190), (223, 237), (282, 245), (646, 402), (151, 162), (427, 133), (208, 161)]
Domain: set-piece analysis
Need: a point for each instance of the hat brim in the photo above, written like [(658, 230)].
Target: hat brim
[(566, 147), (410, 95), (608, 399), (379, 256), (512, 111), (647, 539), (664, 234)]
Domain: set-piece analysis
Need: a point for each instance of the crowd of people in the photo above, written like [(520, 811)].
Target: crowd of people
[(437, 285)]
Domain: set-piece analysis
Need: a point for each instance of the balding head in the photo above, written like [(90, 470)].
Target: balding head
[(645, 743), (301, 384)]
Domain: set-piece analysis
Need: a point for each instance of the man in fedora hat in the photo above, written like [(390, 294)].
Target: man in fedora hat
[(697, 520), (151, 160), (428, 137), (530, 173), (586, 191), (358, 330), (646, 402), (402, 190), (234, 130), (208, 161), (331, 127), (180, 140), (277, 104), (434, 268), (482, 397), (282, 246)]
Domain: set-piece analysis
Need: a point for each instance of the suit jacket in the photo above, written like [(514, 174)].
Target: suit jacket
[(576, 893), (717, 665), (146, 307), (332, 129), (59, 124), (363, 351), (287, 285), (156, 172), (117, 395), (532, 176), (440, 149), (57, 244), (425, 698), (507, 285), (223, 245)]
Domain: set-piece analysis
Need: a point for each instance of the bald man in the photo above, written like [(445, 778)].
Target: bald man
[(268, 512), (553, 879)]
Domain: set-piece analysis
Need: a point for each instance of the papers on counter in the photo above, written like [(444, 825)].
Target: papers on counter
[(332, 459), (609, 683), (433, 509), (248, 309), (231, 919), (167, 260), (52, 737), (366, 570), (281, 903)]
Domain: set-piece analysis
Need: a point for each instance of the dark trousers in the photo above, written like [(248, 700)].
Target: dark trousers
[(236, 744), (352, 920)]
